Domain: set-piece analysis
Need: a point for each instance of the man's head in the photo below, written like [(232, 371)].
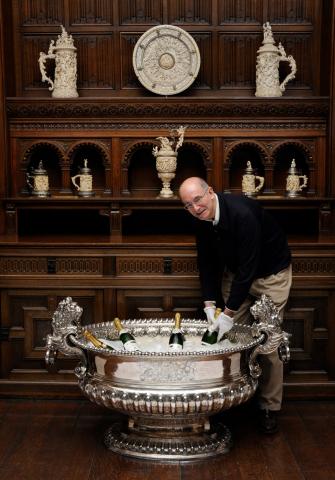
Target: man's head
[(198, 198)]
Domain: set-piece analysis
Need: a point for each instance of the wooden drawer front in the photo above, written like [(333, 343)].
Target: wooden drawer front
[(51, 265), (156, 266)]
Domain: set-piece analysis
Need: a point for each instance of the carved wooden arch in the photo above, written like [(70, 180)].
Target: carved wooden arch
[(98, 145), (254, 144), (56, 146), (200, 148), (300, 146), (133, 149)]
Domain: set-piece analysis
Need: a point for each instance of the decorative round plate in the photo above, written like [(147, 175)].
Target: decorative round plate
[(166, 59)]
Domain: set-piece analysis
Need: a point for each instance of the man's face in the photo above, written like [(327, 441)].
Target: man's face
[(199, 201)]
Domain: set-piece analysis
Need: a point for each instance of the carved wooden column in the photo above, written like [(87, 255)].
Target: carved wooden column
[(3, 121)]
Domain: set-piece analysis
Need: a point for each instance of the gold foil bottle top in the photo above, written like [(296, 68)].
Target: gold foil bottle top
[(217, 312), (89, 336), (118, 324), (177, 320)]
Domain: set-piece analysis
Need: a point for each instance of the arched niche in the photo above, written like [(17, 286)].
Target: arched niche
[(192, 161), (237, 159), (96, 159), (282, 159), (51, 157), (140, 167)]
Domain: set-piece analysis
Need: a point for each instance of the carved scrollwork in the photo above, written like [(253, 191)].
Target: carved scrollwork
[(52, 145), (65, 324), (265, 311), (254, 145)]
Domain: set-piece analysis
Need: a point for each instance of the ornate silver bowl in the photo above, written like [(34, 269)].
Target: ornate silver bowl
[(168, 397)]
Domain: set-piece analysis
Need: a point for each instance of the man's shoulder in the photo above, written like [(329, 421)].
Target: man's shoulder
[(238, 201)]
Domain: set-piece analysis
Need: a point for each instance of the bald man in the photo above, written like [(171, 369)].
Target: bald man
[(242, 253)]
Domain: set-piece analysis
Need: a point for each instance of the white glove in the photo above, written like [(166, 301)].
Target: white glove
[(223, 324), (210, 312)]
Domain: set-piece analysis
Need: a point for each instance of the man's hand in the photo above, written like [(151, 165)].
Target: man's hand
[(223, 324), (210, 314)]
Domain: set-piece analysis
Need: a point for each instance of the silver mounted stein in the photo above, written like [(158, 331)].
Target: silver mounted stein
[(84, 188), (38, 181), (293, 184), (249, 179)]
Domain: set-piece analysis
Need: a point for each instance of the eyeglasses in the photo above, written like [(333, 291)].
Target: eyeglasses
[(196, 201)]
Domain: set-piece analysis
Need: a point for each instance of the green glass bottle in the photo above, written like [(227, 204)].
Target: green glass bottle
[(176, 341), (126, 337), (95, 341), (211, 336)]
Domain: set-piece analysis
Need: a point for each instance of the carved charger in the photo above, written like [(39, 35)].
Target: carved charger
[(166, 59)]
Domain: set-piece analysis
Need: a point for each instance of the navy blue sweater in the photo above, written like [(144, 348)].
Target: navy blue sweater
[(247, 241)]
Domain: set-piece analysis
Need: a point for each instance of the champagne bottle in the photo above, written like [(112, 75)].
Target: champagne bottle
[(176, 340), (211, 336), (95, 341), (125, 336)]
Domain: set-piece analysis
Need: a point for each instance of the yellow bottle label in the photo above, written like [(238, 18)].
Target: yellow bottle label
[(89, 336), (177, 321), (118, 324), (217, 312)]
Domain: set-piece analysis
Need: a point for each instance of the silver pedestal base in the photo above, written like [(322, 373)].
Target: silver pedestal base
[(194, 447)]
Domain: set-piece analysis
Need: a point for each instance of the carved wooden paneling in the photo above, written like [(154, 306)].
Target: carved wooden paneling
[(147, 12), (314, 266), (158, 303), (23, 266), (242, 11), (185, 266), (139, 266), (128, 77), (96, 65), (28, 314), (205, 76), (306, 318), (98, 12), (286, 11), (79, 266), (37, 325), (236, 59), (190, 11), (300, 47), (40, 12), (31, 75)]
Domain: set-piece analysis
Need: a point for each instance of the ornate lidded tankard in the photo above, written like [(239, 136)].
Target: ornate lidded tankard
[(85, 181), (267, 67), (64, 54), (249, 187), (38, 181), (293, 185)]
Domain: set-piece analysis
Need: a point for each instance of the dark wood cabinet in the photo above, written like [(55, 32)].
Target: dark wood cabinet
[(124, 251)]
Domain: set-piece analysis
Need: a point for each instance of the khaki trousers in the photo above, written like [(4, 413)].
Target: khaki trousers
[(277, 287)]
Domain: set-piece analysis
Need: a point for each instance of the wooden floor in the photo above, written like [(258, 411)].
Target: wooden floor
[(62, 440)]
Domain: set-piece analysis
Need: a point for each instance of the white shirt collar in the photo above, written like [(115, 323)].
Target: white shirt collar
[(217, 211)]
